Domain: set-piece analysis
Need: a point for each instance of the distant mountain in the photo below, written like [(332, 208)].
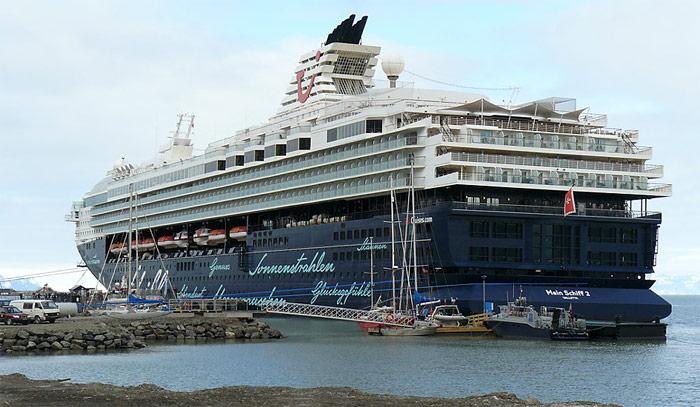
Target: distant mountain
[(20, 285)]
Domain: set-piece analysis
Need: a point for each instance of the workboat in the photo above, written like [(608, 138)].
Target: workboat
[(517, 319)]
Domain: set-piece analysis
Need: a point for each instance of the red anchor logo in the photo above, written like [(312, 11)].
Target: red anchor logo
[(302, 96)]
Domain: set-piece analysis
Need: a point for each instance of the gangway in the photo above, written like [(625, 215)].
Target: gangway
[(338, 313)]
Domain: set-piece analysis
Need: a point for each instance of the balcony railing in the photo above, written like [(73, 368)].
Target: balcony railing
[(558, 163), (536, 140), (625, 185), (553, 210), (528, 125)]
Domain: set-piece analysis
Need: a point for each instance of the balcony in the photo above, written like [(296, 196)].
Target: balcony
[(585, 143), (654, 171), (627, 185), (554, 210)]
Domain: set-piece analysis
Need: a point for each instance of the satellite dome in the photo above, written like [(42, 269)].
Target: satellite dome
[(392, 65)]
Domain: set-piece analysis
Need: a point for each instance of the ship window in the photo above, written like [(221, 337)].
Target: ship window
[(363, 233), (335, 256), (479, 253), (507, 254), (628, 235), (602, 234), (342, 235), (356, 234), (628, 259), (374, 126), (342, 256), (479, 229), (335, 235), (387, 232), (601, 258)]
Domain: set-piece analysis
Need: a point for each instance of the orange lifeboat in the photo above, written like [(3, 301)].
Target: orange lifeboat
[(238, 232), (146, 244), (216, 237), (116, 248), (167, 242)]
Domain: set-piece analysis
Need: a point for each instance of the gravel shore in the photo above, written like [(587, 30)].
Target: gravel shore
[(18, 390)]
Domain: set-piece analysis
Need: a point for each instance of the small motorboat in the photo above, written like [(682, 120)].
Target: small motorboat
[(201, 236), (238, 233), (216, 237), (167, 242)]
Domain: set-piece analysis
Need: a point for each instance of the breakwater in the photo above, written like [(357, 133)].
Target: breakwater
[(104, 333)]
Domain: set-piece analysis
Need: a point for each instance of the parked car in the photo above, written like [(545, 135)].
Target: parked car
[(12, 315), (38, 310)]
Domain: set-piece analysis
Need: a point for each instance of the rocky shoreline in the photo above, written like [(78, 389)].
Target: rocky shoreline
[(103, 333), (18, 390)]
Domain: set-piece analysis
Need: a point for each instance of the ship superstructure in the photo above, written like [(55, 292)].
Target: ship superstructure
[(285, 211)]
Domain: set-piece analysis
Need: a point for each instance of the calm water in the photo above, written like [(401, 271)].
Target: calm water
[(329, 353)]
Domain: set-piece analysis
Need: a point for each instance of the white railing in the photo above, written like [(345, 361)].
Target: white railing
[(342, 314)]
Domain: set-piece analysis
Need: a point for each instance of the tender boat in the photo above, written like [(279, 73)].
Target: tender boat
[(182, 239), (238, 233), (167, 242), (146, 244), (117, 248), (216, 237), (201, 236)]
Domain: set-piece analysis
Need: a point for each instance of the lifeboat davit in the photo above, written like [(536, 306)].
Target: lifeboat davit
[(238, 232), (216, 237), (167, 242), (181, 239), (201, 236)]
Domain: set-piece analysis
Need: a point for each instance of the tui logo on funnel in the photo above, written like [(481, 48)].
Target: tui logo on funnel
[(301, 95)]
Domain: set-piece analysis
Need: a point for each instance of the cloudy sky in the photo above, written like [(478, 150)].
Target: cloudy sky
[(84, 83)]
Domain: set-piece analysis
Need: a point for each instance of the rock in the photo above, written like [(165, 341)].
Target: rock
[(99, 338), (43, 345), (65, 344), (18, 348), (56, 345), (31, 345), (255, 335), (22, 334), (74, 346)]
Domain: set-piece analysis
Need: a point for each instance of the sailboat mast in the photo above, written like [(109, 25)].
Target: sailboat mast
[(371, 270), (393, 245), (136, 239), (413, 237), (129, 245)]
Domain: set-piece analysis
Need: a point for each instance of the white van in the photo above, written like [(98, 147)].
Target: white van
[(38, 310)]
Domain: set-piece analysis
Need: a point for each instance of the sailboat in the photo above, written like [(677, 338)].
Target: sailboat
[(408, 305)]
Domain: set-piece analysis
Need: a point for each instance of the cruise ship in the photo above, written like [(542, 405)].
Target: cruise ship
[(298, 209)]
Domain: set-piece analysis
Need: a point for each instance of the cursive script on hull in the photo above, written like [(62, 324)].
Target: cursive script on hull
[(341, 292), (302, 265)]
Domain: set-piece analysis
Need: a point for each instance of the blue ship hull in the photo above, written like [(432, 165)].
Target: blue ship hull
[(329, 264)]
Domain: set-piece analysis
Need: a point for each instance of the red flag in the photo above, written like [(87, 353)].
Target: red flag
[(569, 204)]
